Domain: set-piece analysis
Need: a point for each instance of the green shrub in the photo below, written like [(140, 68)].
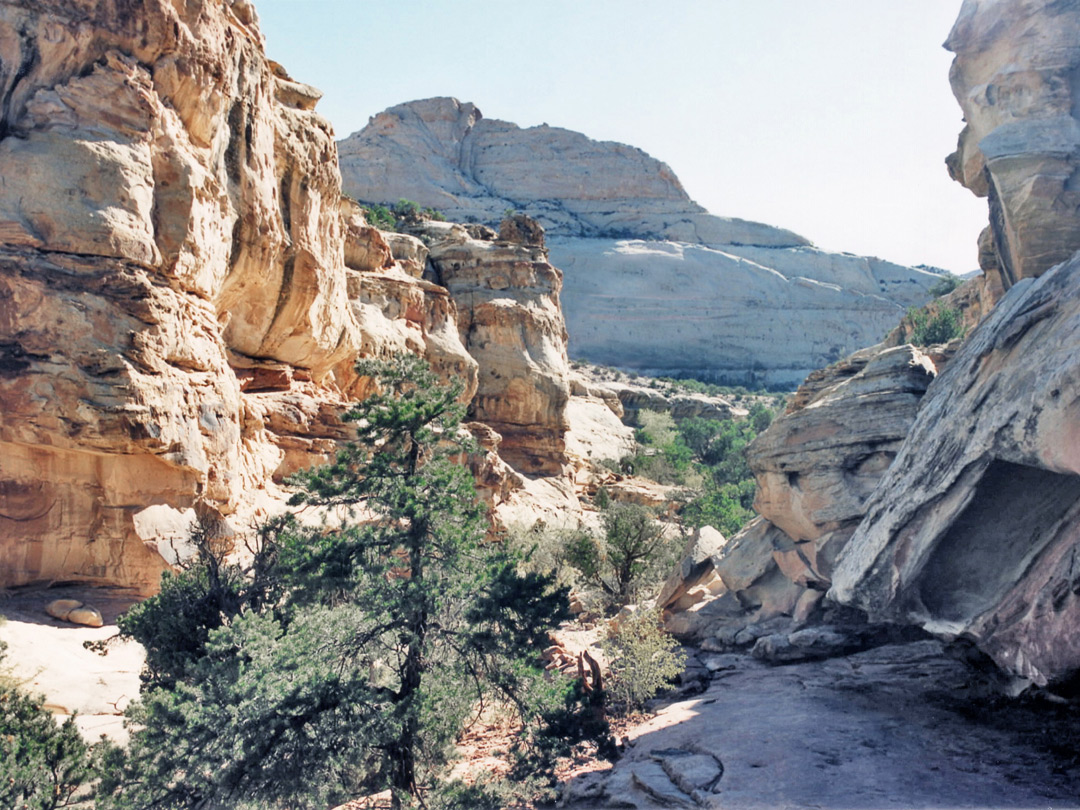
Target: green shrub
[(43, 765), (633, 553), (643, 659), (381, 217), (946, 285), (940, 328)]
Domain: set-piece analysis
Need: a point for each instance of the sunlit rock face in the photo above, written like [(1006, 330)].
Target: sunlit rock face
[(1016, 77), (510, 321), (651, 281), (183, 291), (975, 529), (816, 468)]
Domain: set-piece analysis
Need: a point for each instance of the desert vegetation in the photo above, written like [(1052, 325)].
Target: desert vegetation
[(349, 652)]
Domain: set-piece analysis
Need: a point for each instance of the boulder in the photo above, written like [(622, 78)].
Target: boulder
[(74, 611), (975, 528), (695, 572), (817, 464)]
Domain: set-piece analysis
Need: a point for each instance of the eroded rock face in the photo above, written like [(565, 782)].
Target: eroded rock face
[(183, 289), (169, 213), (816, 467), (753, 304), (509, 318), (1015, 76), (975, 528)]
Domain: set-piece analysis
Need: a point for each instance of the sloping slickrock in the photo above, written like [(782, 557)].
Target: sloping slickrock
[(902, 725), (975, 529), (754, 304), (1016, 77), (510, 321)]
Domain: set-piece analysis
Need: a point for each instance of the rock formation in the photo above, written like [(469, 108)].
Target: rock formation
[(184, 291), (975, 529), (751, 303), (816, 467), (1016, 77), (507, 297)]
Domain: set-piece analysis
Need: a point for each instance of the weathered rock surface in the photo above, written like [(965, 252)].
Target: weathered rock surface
[(751, 303), (816, 467), (510, 321), (1016, 77), (627, 397), (975, 528), (184, 291), (671, 309), (898, 726), (446, 155)]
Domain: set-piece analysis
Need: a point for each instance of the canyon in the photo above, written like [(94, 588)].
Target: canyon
[(185, 288)]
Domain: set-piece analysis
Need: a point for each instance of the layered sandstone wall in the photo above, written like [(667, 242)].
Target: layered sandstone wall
[(183, 289)]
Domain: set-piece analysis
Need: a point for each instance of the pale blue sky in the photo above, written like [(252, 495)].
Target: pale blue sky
[(828, 117)]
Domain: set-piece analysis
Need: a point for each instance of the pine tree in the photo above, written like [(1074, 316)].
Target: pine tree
[(353, 651)]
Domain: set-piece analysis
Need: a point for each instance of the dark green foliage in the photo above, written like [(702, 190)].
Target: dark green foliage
[(42, 765), (388, 218), (633, 547), (348, 657), (945, 285), (709, 455), (381, 217), (940, 328), (406, 208), (644, 659)]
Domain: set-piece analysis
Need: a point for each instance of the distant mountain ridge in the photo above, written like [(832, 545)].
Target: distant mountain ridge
[(652, 281)]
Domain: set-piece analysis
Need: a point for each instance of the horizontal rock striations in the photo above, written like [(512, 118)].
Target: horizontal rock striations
[(755, 304), (184, 292), (1016, 77), (507, 299)]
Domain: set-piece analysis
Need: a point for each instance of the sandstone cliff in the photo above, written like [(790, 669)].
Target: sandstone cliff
[(183, 293), (1015, 76), (652, 282), (973, 532)]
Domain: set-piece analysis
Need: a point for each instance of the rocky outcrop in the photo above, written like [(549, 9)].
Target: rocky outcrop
[(184, 291), (627, 397), (975, 529), (1016, 77), (750, 303), (816, 467), (510, 321), (444, 154)]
